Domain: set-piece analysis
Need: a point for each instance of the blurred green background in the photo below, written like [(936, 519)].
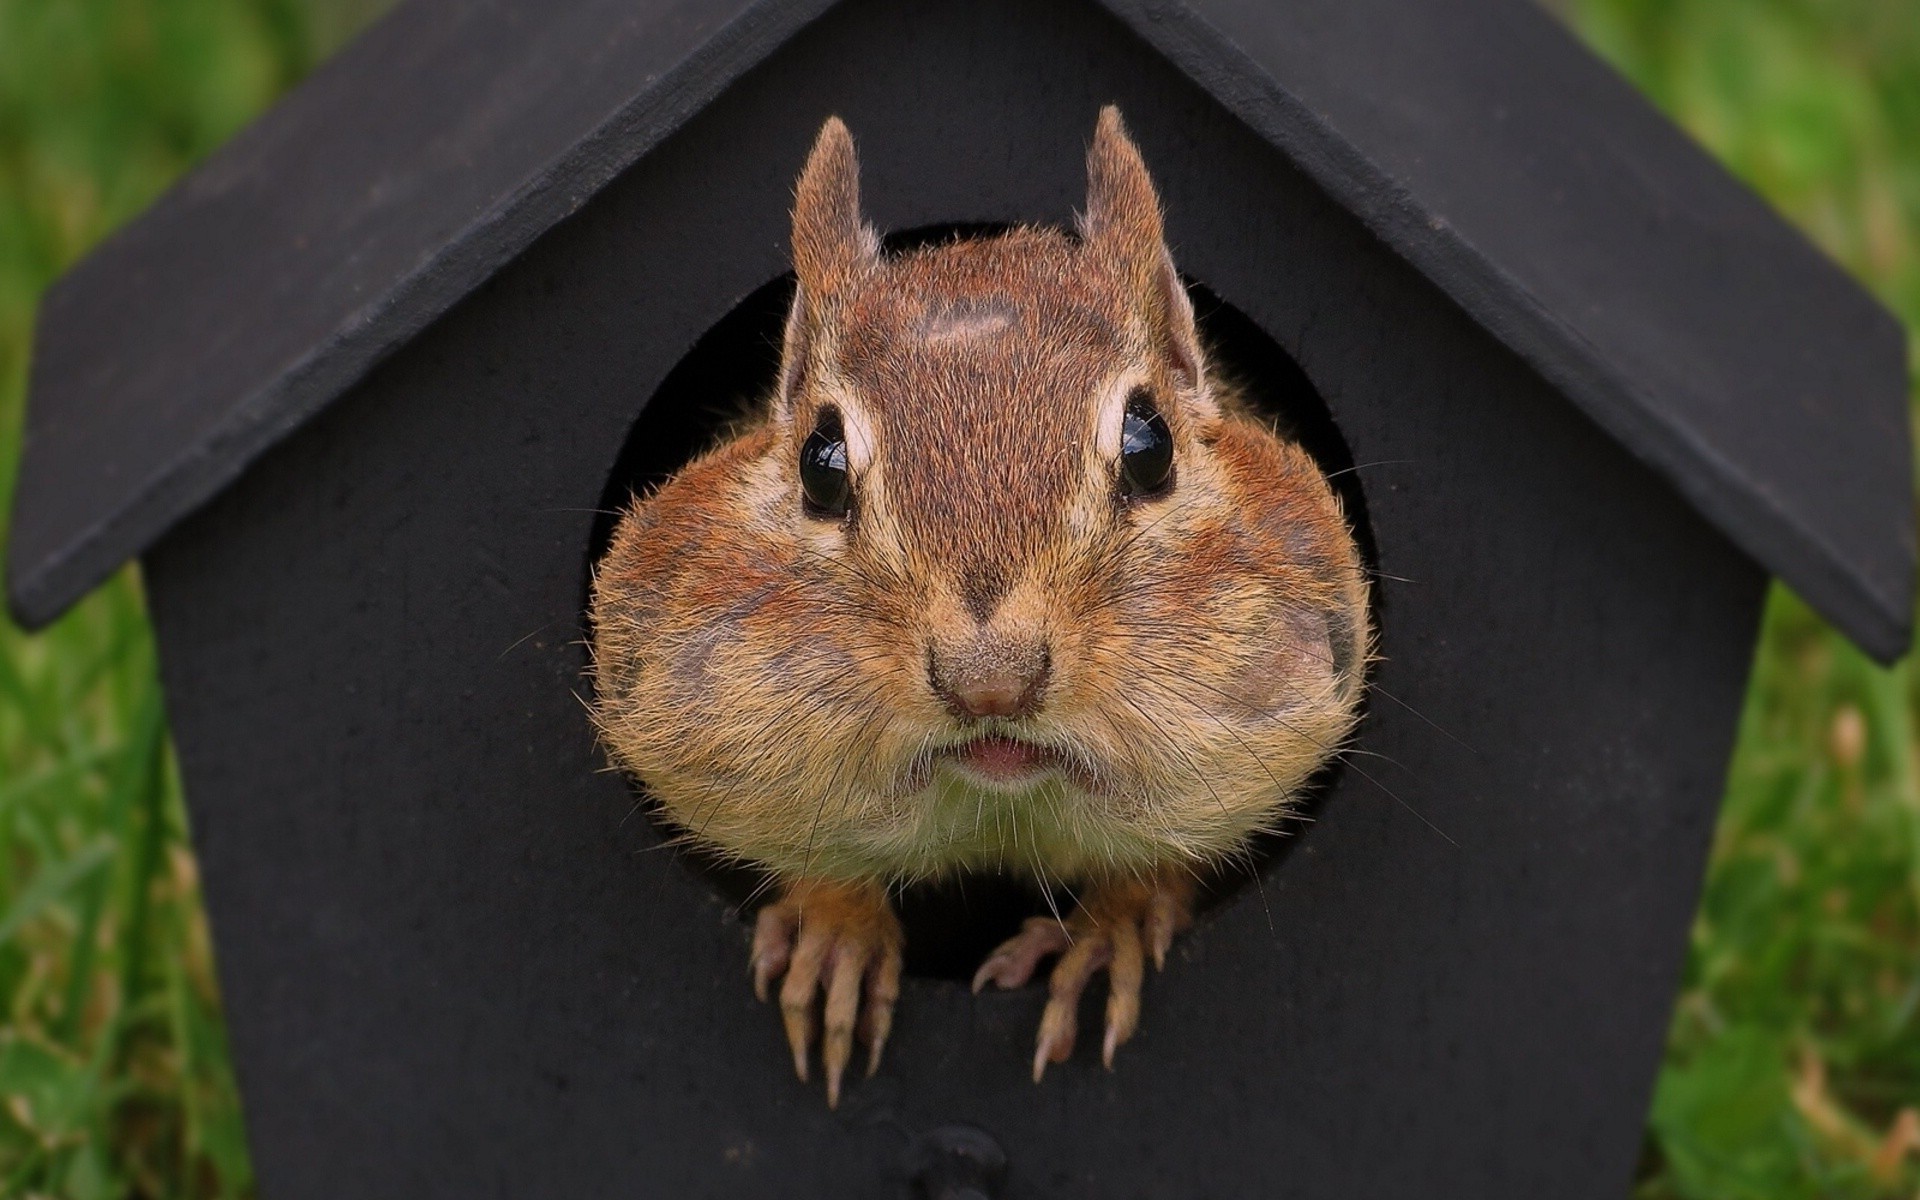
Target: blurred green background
[(1793, 1066)]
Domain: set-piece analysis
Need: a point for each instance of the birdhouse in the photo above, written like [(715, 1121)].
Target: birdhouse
[(359, 391)]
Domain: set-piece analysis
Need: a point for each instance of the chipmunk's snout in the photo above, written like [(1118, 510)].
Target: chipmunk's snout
[(991, 675)]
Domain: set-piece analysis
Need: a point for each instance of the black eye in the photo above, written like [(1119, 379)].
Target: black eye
[(823, 468), (1146, 448)]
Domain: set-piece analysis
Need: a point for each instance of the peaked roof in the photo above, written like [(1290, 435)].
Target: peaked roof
[(1474, 137)]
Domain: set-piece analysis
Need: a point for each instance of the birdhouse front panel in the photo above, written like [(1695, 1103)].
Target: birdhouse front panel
[(458, 959)]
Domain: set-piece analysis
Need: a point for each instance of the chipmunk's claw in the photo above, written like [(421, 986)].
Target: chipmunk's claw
[(772, 946), (843, 940), (1115, 929), (1012, 962), (1090, 951)]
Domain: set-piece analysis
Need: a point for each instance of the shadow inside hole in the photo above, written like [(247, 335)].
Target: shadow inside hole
[(729, 373)]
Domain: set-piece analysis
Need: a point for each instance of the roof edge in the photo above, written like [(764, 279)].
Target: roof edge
[(1879, 623), (1878, 619), (38, 593)]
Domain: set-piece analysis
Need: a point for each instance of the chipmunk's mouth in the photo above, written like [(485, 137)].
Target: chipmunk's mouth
[(1003, 760), (1009, 763)]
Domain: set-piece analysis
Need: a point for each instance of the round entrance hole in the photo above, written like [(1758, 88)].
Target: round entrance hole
[(731, 370)]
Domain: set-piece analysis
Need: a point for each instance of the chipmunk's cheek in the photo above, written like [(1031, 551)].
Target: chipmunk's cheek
[(698, 659), (1289, 671), (823, 672)]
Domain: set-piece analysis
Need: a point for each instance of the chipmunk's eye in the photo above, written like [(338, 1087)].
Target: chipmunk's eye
[(1146, 448), (823, 468)]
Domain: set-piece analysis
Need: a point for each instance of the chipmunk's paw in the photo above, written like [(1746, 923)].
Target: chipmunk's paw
[(840, 939), (1116, 927)]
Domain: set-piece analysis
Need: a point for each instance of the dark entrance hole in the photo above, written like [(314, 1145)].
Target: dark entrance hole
[(731, 370)]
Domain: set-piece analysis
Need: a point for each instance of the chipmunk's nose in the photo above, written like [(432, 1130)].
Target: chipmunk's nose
[(990, 677)]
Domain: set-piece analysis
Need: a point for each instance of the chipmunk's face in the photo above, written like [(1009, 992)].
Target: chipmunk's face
[(1045, 603)]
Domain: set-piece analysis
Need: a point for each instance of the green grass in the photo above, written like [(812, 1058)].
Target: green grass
[(1794, 1061), (1793, 1064), (114, 1078)]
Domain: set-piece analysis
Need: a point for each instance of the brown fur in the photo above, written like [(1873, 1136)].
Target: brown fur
[(765, 672)]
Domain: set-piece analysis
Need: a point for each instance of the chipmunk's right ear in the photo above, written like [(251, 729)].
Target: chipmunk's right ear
[(831, 242)]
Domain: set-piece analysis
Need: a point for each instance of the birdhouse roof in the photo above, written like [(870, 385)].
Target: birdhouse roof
[(1474, 137)]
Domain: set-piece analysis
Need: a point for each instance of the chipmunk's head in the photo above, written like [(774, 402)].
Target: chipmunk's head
[(980, 416), (1043, 564)]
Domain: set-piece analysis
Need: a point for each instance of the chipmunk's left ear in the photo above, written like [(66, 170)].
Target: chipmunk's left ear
[(1122, 223)]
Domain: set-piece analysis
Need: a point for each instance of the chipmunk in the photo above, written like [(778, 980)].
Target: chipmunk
[(1003, 579)]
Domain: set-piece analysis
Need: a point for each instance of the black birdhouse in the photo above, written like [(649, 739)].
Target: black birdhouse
[(358, 391)]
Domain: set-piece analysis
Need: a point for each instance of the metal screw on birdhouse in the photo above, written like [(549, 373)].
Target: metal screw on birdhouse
[(956, 1162)]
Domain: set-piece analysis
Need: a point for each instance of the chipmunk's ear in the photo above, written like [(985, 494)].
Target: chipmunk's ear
[(829, 238), (1122, 224), (830, 242)]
